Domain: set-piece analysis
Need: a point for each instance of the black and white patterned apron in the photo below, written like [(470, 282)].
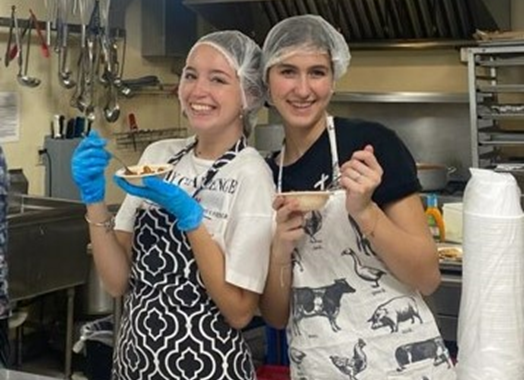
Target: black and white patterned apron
[(350, 317), (171, 329)]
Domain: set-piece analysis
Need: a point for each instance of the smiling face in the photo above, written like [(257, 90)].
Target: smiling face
[(210, 92), (300, 88)]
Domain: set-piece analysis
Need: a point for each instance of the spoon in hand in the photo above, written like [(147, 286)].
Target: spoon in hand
[(127, 171)]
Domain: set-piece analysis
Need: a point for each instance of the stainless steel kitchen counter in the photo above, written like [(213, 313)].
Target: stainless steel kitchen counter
[(6, 374), (47, 252), (46, 247)]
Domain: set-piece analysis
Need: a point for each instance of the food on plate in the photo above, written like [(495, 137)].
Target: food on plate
[(134, 174), (308, 200), (450, 253), (143, 170), (146, 170)]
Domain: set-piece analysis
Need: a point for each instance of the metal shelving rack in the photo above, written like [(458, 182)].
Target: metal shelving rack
[(489, 92), (143, 137)]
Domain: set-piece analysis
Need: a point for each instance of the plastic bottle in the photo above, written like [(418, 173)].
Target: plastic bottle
[(435, 219)]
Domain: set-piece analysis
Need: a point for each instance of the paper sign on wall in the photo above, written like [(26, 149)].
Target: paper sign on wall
[(9, 120)]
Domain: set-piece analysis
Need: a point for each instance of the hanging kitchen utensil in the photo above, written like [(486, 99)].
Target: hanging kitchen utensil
[(33, 21), (62, 32), (22, 77), (112, 109), (7, 57), (30, 81), (84, 7), (118, 82), (50, 13), (64, 74), (14, 49), (43, 44)]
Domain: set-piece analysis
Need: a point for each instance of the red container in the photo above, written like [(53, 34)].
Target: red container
[(273, 372)]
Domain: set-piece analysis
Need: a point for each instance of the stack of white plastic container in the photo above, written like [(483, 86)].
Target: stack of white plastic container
[(491, 318)]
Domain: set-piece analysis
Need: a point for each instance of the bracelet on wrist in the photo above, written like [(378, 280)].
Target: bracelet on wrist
[(108, 224)]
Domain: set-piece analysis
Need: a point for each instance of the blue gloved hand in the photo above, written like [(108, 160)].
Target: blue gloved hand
[(88, 165), (175, 200)]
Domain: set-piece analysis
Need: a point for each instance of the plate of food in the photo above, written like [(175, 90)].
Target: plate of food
[(134, 174), (308, 200)]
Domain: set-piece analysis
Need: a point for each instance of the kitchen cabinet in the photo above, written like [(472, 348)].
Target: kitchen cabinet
[(496, 95)]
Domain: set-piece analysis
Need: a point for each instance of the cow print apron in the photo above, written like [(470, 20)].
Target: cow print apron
[(350, 318), (171, 329)]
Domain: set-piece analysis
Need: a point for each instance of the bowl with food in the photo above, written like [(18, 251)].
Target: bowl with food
[(134, 174), (450, 253), (308, 200)]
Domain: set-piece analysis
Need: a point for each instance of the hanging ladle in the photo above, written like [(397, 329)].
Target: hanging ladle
[(111, 109), (64, 74), (22, 76)]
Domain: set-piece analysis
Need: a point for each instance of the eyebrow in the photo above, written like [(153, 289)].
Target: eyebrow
[(213, 72), (290, 66)]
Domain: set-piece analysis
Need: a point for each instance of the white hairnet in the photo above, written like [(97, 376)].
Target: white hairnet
[(303, 34), (245, 57)]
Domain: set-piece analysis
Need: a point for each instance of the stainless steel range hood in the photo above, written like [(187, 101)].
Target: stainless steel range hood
[(367, 23)]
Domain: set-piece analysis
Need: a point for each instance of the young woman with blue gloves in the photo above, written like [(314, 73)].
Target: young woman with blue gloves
[(348, 279), (190, 252)]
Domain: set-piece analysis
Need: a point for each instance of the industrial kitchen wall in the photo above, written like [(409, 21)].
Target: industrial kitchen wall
[(37, 105), (374, 71)]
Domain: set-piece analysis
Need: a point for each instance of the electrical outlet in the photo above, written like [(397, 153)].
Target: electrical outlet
[(41, 156)]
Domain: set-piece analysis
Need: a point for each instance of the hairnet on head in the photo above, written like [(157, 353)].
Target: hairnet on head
[(245, 57), (305, 34)]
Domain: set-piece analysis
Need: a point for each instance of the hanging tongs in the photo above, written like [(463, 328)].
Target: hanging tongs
[(8, 58), (42, 39), (31, 22)]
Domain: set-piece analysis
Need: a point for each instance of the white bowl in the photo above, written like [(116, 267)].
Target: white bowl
[(308, 200), (142, 171)]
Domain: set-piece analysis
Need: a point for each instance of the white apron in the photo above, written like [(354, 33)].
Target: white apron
[(350, 318)]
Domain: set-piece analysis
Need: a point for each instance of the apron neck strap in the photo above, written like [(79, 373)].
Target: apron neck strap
[(334, 154), (220, 162)]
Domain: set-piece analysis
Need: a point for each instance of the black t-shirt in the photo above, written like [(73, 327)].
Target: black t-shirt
[(314, 168)]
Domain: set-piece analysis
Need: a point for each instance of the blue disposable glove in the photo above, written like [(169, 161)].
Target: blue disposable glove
[(175, 200), (88, 165)]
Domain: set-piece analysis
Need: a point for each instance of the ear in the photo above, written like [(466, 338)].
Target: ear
[(268, 97), (333, 87)]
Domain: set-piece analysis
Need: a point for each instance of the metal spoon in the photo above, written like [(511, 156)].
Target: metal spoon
[(112, 109), (126, 168)]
